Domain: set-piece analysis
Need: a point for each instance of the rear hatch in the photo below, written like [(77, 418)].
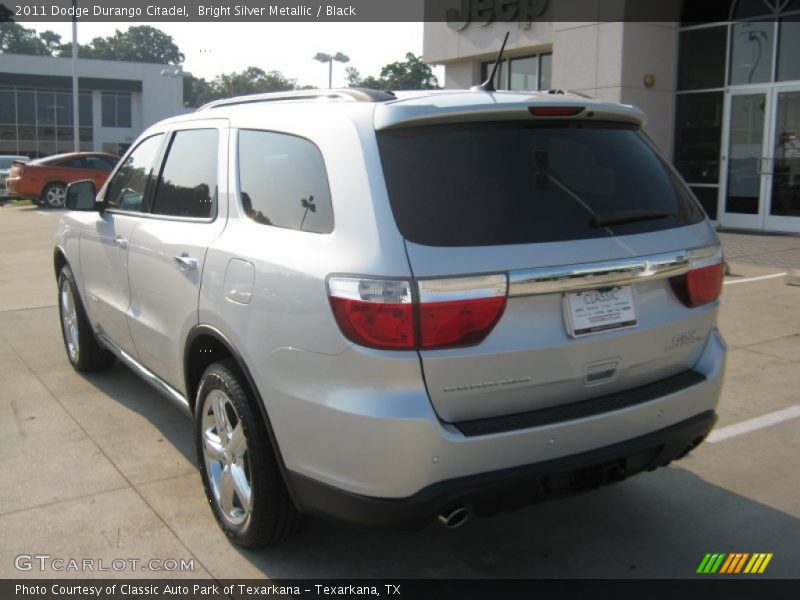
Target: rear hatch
[(594, 235)]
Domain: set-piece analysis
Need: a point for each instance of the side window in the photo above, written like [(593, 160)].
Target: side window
[(127, 189), (98, 163), (283, 182), (187, 186), (73, 163)]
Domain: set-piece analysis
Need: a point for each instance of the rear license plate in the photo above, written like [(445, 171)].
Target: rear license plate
[(594, 311)]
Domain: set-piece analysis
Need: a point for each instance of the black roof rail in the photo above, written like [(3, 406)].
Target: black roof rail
[(349, 94)]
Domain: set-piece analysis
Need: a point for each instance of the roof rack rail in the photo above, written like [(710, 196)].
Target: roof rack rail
[(349, 94)]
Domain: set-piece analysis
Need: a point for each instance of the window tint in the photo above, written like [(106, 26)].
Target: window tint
[(127, 189), (116, 109), (99, 163), (518, 183), (187, 186), (283, 182), (698, 136), (701, 60), (73, 163)]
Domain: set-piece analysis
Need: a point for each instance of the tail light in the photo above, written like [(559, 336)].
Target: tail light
[(443, 313), (374, 312), (702, 283)]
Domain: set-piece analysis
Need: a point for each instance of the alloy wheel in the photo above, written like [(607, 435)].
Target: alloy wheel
[(69, 320), (226, 458)]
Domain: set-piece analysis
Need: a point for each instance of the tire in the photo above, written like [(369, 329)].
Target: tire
[(83, 350), (239, 469), (54, 195)]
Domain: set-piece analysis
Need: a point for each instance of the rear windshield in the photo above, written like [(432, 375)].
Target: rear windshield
[(489, 184)]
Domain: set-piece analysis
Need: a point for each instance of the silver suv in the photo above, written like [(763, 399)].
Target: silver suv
[(393, 307)]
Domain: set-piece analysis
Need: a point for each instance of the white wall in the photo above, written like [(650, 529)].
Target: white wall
[(605, 60)]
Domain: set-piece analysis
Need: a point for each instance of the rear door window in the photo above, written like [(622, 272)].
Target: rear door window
[(283, 182), (127, 189), (187, 186), (519, 183)]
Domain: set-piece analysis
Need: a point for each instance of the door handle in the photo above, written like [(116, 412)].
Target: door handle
[(121, 243), (186, 262)]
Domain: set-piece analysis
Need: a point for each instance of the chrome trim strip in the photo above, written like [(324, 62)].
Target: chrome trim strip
[(154, 380), (549, 280)]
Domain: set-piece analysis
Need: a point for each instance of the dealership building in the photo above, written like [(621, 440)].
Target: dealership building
[(721, 90), (116, 102)]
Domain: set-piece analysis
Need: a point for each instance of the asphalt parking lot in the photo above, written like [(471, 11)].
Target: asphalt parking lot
[(102, 467)]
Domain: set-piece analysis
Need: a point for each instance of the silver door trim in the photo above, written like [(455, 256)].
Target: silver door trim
[(549, 280), (154, 380)]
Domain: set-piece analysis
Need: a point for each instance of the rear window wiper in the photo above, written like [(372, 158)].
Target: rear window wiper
[(627, 216)]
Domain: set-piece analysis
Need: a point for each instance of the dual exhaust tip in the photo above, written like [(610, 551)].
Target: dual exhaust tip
[(455, 517)]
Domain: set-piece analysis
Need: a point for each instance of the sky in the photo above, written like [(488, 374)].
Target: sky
[(213, 48)]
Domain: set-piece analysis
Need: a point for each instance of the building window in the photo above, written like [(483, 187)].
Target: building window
[(698, 134), (751, 52), (38, 122), (701, 60), (789, 49), (116, 109), (523, 73)]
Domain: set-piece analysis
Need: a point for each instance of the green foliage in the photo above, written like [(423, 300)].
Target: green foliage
[(411, 74), (15, 39), (252, 80), (140, 43)]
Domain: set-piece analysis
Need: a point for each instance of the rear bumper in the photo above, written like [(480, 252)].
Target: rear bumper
[(18, 188), (363, 424), (487, 493)]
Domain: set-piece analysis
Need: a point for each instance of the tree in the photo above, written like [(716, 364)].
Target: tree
[(252, 80), (413, 74), (140, 43), (52, 41), (15, 39)]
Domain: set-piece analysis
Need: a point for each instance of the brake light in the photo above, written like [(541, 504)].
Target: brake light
[(555, 111), (448, 312), (703, 282), (460, 311), (373, 312)]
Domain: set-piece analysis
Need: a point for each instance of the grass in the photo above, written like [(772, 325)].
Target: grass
[(21, 202)]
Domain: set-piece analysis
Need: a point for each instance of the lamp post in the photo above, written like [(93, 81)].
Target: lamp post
[(75, 112), (175, 73), (328, 58)]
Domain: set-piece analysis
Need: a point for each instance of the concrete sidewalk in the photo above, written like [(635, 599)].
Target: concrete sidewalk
[(768, 250)]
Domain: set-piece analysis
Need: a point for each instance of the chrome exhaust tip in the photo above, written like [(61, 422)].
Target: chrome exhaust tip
[(455, 517)]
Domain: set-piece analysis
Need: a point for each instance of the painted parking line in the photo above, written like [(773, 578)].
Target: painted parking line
[(749, 279), (755, 424)]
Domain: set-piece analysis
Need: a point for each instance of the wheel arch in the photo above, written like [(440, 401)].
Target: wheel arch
[(59, 260), (206, 345)]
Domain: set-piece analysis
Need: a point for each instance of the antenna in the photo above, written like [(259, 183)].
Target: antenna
[(488, 85)]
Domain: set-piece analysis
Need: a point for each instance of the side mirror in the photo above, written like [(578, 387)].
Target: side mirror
[(81, 195)]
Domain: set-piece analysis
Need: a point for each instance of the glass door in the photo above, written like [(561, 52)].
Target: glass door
[(745, 158), (783, 168)]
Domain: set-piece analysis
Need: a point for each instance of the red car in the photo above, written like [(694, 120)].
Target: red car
[(45, 180)]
